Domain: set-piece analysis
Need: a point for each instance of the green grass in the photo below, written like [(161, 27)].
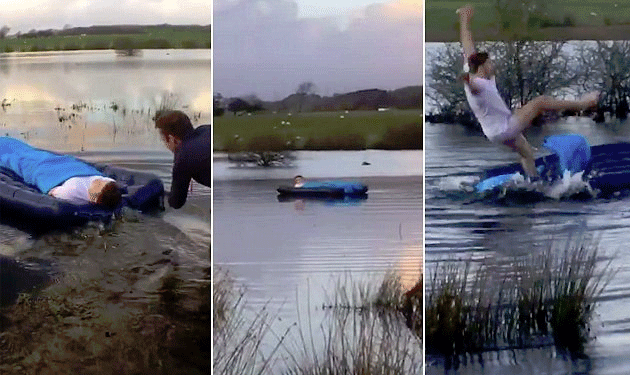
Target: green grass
[(318, 129), (442, 22), (154, 36)]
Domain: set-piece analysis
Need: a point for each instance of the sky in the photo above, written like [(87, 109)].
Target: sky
[(268, 47), (25, 15)]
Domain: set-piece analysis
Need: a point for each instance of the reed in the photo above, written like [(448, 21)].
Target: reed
[(537, 300), (363, 332)]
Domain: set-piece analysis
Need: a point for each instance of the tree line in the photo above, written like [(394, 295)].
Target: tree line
[(526, 69), (306, 99)]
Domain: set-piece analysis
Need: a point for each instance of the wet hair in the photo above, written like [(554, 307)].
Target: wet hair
[(110, 196), (476, 60), (174, 123)]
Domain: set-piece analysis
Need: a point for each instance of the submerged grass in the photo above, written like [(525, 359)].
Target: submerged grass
[(364, 332), (539, 300)]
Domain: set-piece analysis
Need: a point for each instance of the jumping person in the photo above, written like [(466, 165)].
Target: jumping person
[(498, 122), (191, 147), (61, 176)]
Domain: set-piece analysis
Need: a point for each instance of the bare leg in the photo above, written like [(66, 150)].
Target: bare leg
[(526, 151), (535, 107)]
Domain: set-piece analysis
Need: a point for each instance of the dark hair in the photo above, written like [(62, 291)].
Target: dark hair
[(476, 60), (110, 196), (174, 123)]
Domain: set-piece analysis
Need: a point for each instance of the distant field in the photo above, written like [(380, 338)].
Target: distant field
[(154, 37), (592, 19), (371, 125)]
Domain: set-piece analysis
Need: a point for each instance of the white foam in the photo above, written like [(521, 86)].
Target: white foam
[(458, 183), (568, 185)]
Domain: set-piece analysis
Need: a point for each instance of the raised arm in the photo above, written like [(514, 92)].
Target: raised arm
[(465, 16)]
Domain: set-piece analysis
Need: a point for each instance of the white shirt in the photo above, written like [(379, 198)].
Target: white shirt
[(488, 106), (75, 189)]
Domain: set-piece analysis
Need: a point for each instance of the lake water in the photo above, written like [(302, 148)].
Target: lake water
[(291, 254), (459, 228), (99, 107)]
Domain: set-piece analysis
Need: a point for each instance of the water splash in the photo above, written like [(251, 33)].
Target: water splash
[(458, 184)]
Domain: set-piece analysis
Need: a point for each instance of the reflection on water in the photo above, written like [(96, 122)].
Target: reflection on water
[(95, 99), (459, 228)]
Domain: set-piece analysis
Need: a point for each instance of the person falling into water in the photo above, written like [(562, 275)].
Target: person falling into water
[(498, 122)]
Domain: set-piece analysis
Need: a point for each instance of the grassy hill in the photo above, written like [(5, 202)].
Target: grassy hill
[(109, 37), (558, 19)]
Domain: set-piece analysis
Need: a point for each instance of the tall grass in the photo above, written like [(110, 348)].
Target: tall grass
[(363, 332), (238, 336), (542, 299)]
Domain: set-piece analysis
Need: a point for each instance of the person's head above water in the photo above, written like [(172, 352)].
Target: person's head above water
[(104, 193), (298, 181), (174, 126)]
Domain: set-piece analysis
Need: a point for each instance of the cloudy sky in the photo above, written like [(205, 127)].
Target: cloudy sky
[(24, 15), (269, 47)]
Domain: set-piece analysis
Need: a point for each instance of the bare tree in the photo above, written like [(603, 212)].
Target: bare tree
[(444, 91), (4, 31), (606, 68), (303, 90), (306, 88), (525, 69)]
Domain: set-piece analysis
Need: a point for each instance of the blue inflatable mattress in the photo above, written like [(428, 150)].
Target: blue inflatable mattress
[(606, 167), (331, 189), (22, 204)]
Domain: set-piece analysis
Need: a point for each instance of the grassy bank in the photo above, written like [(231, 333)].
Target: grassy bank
[(364, 333), (568, 20), (354, 130), (153, 37), (547, 299)]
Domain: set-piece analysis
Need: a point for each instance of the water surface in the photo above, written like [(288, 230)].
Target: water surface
[(281, 249), (459, 228)]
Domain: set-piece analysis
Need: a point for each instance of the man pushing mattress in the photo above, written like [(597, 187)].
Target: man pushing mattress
[(61, 176)]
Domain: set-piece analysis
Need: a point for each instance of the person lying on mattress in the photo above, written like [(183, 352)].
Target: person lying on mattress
[(191, 147), (61, 176)]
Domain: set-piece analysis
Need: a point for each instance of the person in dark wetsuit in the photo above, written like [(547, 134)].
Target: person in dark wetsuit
[(191, 147)]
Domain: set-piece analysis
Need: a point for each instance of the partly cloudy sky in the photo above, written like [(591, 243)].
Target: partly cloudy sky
[(269, 47), (24, 15)]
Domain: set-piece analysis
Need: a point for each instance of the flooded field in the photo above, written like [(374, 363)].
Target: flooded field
[(292, 256), (106, 290)]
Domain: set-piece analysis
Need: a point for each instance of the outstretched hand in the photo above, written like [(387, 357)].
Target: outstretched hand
[(465, 13)]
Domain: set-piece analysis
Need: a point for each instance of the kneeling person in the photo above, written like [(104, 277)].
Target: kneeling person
[(191, 147)]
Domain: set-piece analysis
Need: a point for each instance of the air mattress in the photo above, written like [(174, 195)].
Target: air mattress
[(607, 168), (23, 205), (323, 189)]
